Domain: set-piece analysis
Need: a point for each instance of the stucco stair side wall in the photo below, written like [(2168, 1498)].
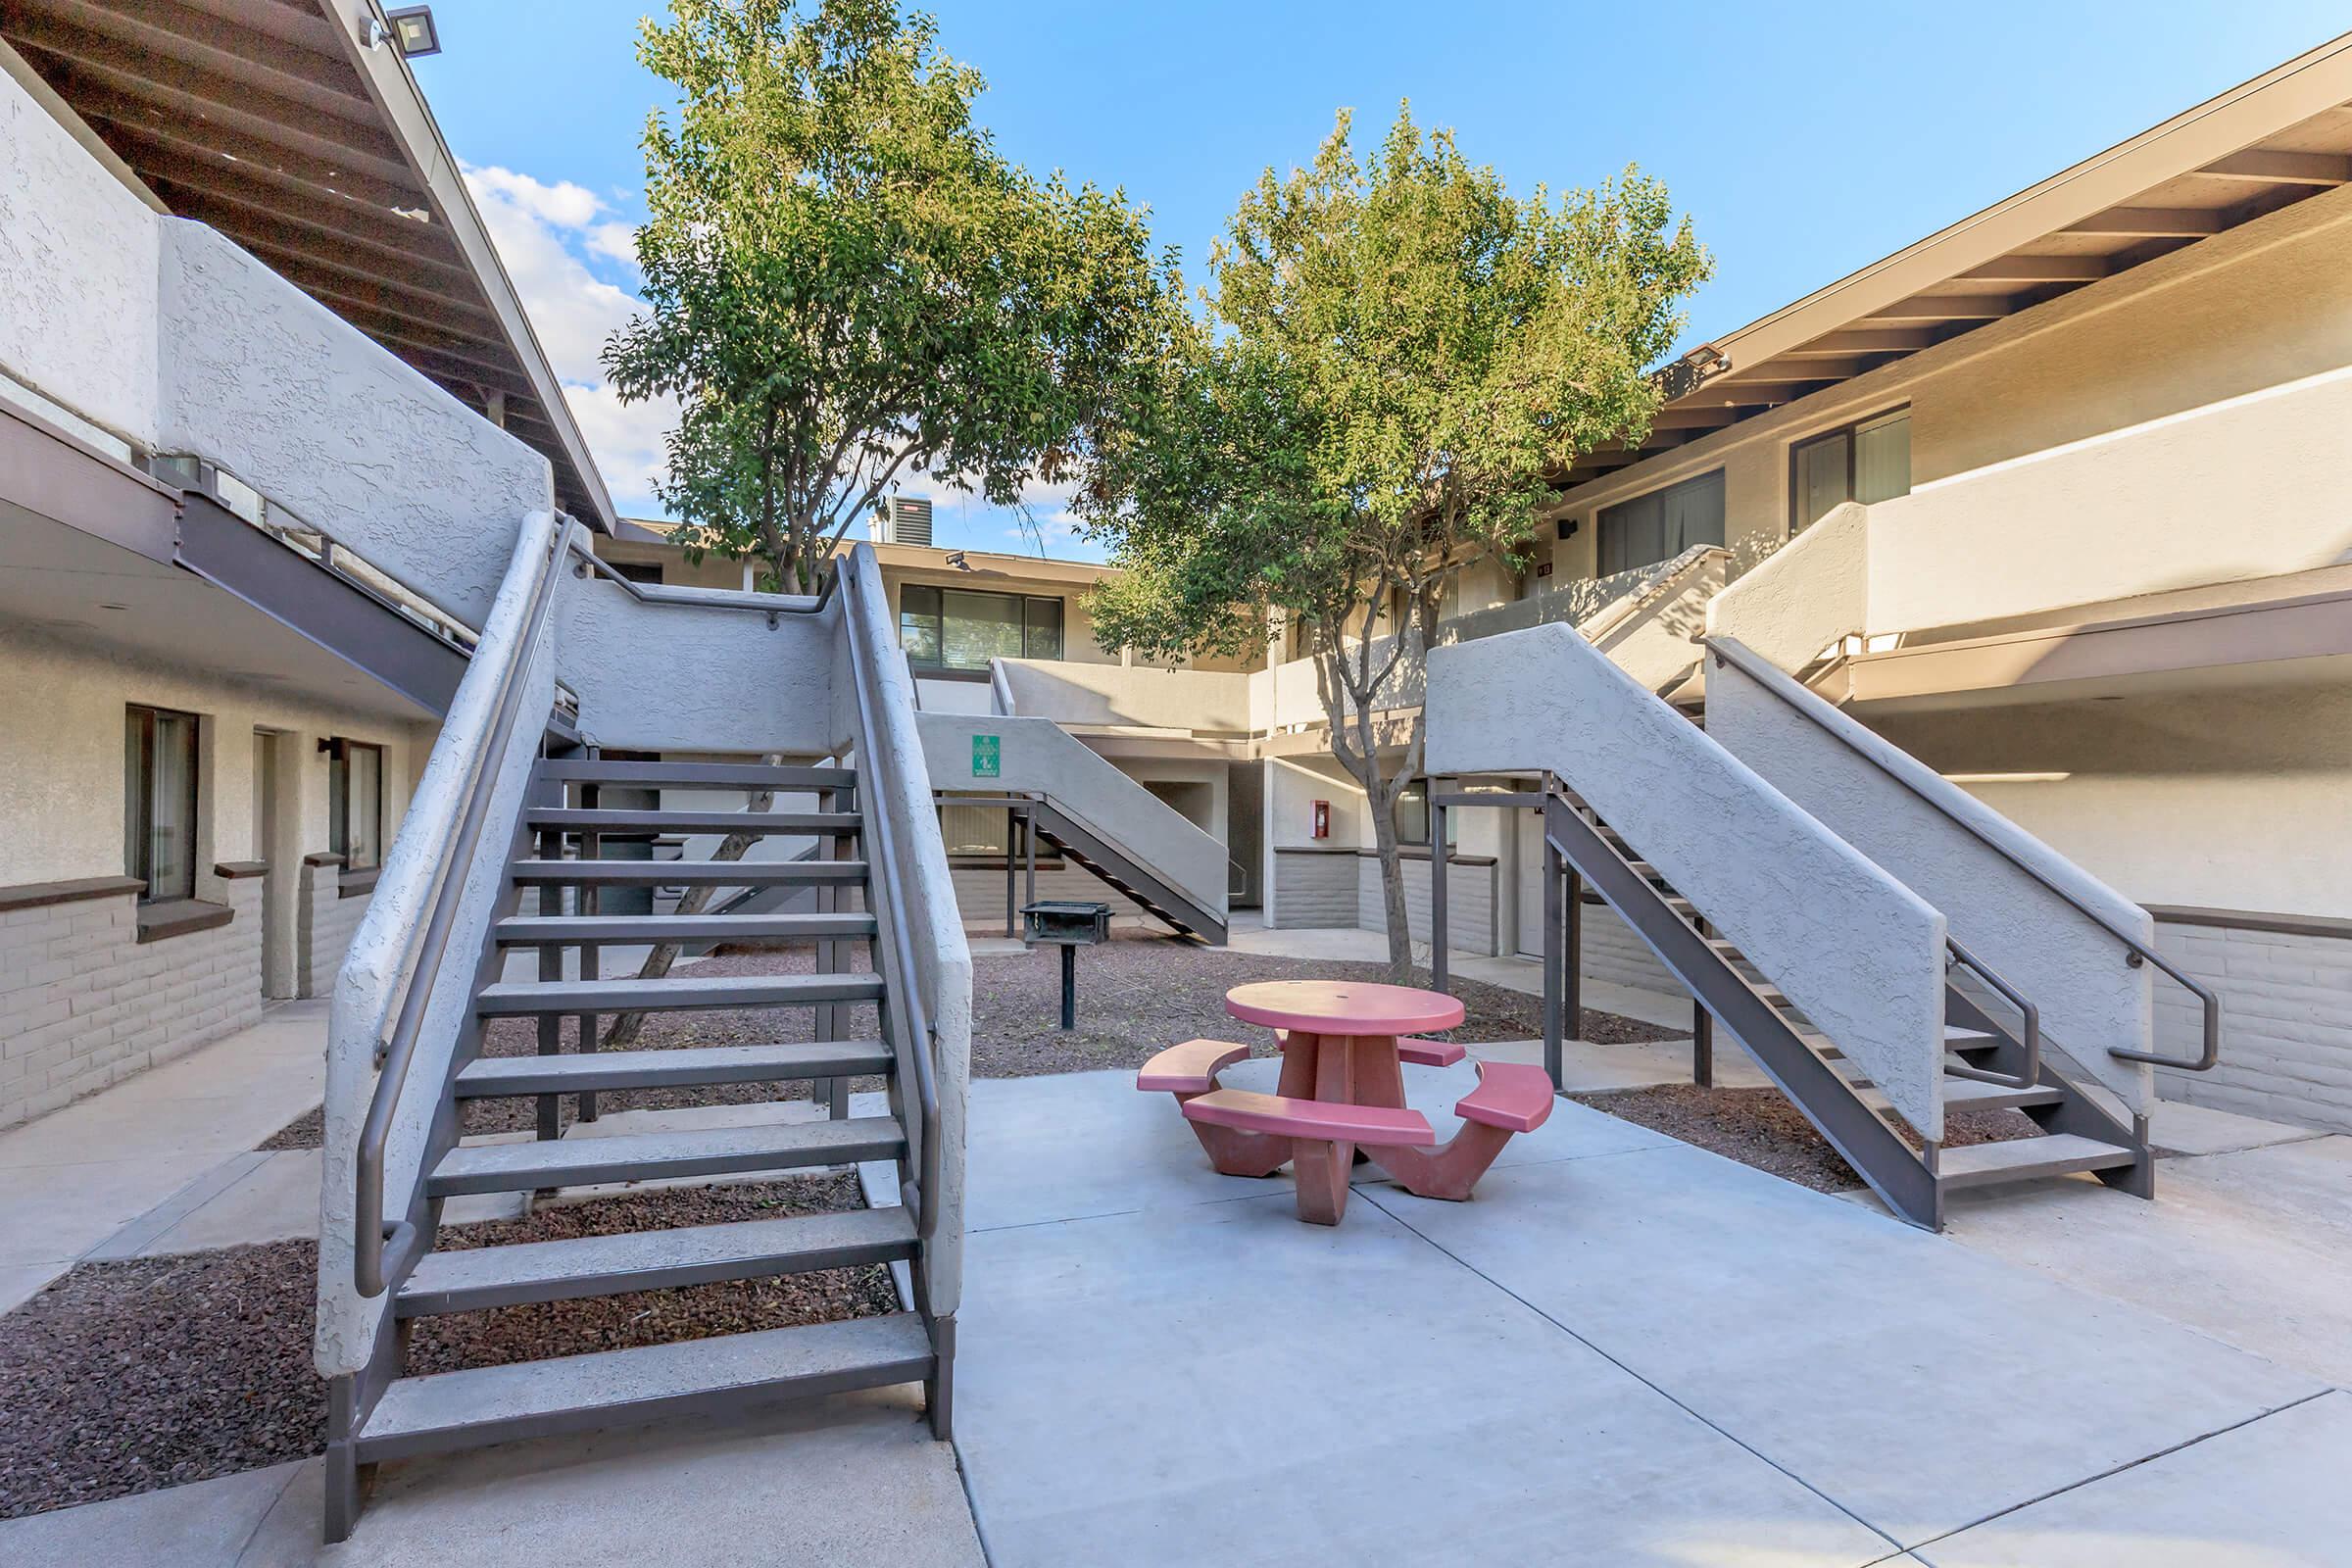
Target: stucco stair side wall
[(1038, 755), (1804, 596), (900, 783), (1858, 951), (266, 381), (1656, 641), (77, 274), (371, 979), (1902, 814), (684, 677), (2128, 513)]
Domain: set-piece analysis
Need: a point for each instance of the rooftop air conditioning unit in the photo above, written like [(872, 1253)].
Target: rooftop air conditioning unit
[(904, 521)]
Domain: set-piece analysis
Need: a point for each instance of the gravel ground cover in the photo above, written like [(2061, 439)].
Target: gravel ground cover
[(1761, 1127), (125, 1377), (1137, 993)]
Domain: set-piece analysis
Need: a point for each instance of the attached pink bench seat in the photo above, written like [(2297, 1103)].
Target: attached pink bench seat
[(1190, 1068), (1319, 1119), (1514, 1096)]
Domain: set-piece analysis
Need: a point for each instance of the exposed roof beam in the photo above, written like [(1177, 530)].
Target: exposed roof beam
[(243, 222), (355, 286), (190, 94), (2144, 221), (1683, 417), (1823, 366), (229, 50), (1861, 340), (119, 117), (1756, 394), (1946, 308), (2041, 270), (2283, 169), (250, 185)]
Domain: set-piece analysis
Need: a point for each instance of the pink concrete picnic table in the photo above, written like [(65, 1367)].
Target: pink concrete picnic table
[(1344, 1045)]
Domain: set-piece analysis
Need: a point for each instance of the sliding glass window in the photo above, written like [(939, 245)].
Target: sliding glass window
[(1866, 462), (1661, 524), (158, 801), (959, 629)]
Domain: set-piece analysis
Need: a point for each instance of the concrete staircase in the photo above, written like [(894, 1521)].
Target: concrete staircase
[(550, 879)]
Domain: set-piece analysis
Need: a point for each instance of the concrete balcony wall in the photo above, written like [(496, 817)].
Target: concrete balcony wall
[(1215, 702), (2251, 486)]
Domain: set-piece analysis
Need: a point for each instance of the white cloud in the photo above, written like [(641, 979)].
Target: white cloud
[(543, 233)]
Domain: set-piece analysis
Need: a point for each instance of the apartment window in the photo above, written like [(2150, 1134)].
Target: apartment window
[(158, 795), (1865, 462), (957, 628), (355, 803), (1412, 817), (1661, 524), (644, 571)]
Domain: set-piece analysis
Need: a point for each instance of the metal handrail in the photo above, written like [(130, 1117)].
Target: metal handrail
[(2031, 1075), (1000, 689), (909, 1018), (1731, 651), (372, 1239), (715, 598)]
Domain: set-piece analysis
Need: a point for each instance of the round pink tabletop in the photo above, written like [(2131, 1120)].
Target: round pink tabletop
[(1343, 1007)]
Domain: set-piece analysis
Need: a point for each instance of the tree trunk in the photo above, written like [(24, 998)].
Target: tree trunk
[(1392, 891), (626, 1026)]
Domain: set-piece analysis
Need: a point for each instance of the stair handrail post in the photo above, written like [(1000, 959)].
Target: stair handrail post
[(380, 1252)]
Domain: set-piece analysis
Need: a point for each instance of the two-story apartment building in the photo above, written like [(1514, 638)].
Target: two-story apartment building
[(255, 354)]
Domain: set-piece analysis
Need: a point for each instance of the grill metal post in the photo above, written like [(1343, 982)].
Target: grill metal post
[(1436, 892)]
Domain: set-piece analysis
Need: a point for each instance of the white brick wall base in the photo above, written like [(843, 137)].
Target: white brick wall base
[(2286, 1022), (325, 923), (84, 1003)]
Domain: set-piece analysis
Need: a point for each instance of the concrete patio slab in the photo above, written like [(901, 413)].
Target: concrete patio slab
[(1587, 1068), (853, 1482), (1921, 1386), (2268, 1495), (22, 1282), (1219, 1384), (2175, 1128), (1076, 1145), (57, 1212), (2254, 1248), (277, 1200), (207, 1525)]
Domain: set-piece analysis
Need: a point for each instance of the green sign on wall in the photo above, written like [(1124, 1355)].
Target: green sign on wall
[(988, 755)]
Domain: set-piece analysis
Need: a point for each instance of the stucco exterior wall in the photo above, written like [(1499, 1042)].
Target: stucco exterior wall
[(60, 756), (77, 274), (2222, 799), (2267, 302)]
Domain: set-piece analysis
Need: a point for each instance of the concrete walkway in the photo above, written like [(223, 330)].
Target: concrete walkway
[(153, 1149), (1624, 1351)]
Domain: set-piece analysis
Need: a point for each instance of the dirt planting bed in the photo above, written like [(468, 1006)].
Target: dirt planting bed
[(1137, 993), (1760, 1127), (128, 1376)]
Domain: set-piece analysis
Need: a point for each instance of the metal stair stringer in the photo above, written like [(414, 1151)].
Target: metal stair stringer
[(1894, 1169), (1101, 858)]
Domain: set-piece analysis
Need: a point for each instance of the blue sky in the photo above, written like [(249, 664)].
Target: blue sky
[(1804, 139)]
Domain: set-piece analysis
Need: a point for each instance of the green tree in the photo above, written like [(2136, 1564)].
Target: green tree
[(848, 283), (1396, 360)]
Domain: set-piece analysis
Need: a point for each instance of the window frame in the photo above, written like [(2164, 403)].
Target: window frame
[(1024, 605), (1851, 431), (139, 818), (1659, 492), (338, 794)]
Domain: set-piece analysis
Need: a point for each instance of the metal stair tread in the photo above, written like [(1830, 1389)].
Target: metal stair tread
[(480, 1277), (709, 775), (2024, 1158), (516, 929), (686, 1065), (508, 998), (638, 1156), (659, 874), (605, 1388), (613, 819)]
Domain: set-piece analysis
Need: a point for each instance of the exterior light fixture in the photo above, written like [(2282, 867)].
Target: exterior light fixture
[(413, 30)]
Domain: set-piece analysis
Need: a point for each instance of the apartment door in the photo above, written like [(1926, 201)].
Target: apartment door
[(1530, 940)]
